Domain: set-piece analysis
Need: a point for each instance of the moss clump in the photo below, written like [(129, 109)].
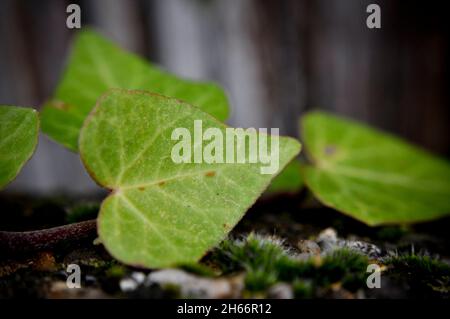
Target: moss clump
[(291, 268), (267, 261), (258, 256), (423, 274), (346, 266), (422, 264), (116, 271), (303, 289)]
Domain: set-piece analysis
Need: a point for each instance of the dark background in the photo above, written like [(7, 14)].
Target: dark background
[(276, 58)]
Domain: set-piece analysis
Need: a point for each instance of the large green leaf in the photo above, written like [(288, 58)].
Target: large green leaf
[(160, 213), (96, 65), (19, 129), (372, 176)]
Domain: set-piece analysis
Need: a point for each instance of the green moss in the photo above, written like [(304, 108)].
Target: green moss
[(116, 271), (266, 261), (259, 279), (291, 268), (343, 265), (253, 251), (97, 263), (423, 265), (303, 289), (257, 255), (423, 274)]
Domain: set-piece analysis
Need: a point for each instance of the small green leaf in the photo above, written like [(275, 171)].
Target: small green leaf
[(18, 138), (290, 180), (372, 176), (97, 65), (160, 213)]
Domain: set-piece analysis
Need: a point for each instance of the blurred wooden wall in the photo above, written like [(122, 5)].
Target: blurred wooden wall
[(276, 58)]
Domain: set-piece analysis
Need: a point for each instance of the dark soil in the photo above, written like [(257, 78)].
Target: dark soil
[(42, 274)]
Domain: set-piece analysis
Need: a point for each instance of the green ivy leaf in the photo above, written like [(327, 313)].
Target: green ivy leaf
[(96, 65), (372, 176), (18, 138), (290, 180), (159, 213)]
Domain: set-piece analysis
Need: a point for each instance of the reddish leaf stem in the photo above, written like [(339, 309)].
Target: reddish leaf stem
[(46, 239)]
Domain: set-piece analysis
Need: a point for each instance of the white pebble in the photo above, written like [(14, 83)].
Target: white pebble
[(128, 284), (139, 277)]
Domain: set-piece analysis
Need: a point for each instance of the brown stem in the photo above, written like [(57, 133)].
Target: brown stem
[(13, 243)]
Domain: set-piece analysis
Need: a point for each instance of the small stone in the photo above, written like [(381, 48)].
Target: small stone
[(58, 286), (90, 280), (328, 234), (365, 248), (128, 284), (327, 240), (193, 286), (59, 290), (308, 247), (280, 291), (139, 277)]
